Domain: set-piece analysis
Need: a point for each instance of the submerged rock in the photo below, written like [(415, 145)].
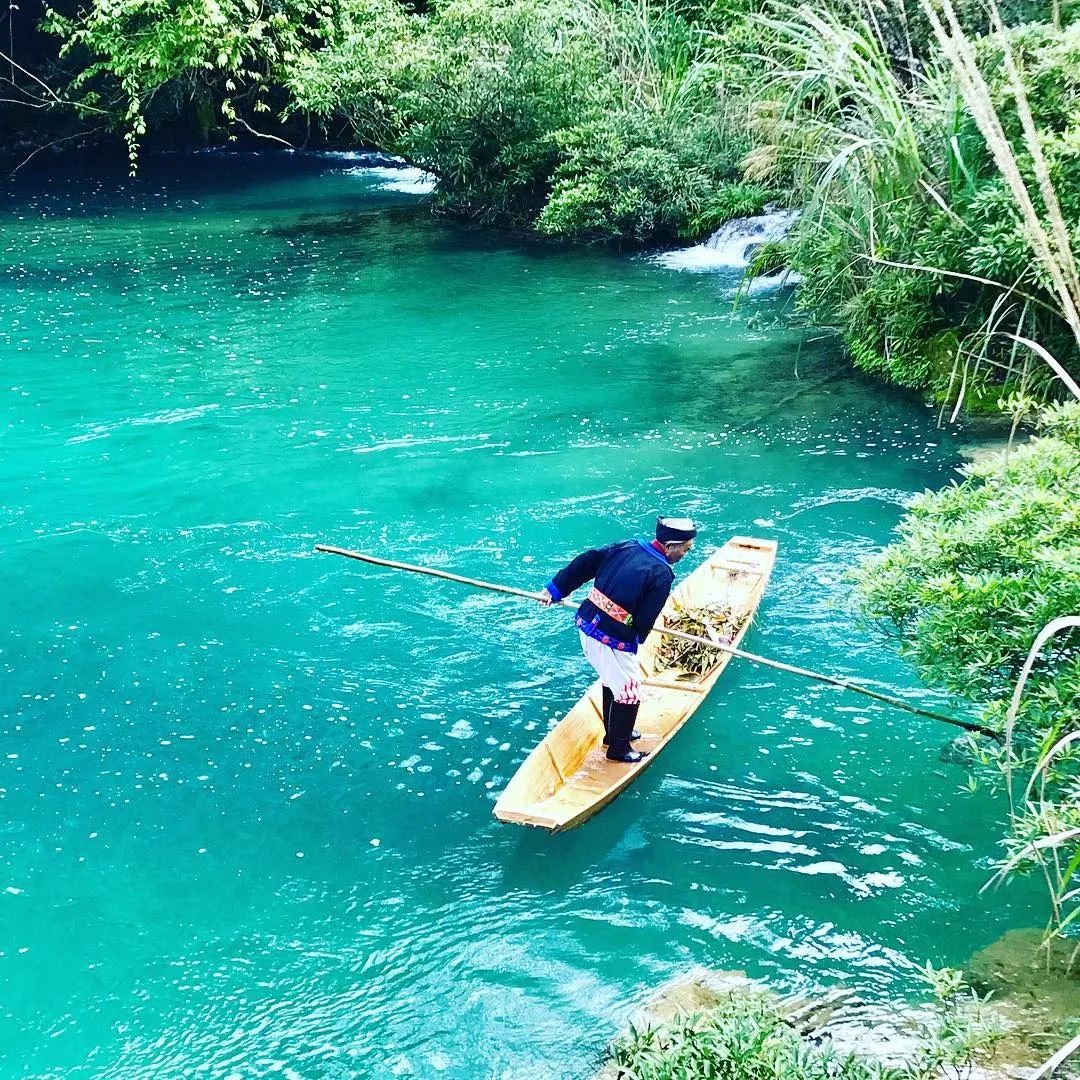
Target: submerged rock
[(697, 990), (1036, 988), (981, 450), (957, 752)]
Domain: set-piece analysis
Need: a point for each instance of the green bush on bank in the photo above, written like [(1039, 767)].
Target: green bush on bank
[(980, 568), (488, 88), (620, 178), (582, 119)]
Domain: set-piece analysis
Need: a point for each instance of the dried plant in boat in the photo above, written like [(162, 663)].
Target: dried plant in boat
[(715, 622)]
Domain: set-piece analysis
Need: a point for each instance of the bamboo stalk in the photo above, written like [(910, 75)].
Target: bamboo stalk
[(1048, 1067), (817, 676)]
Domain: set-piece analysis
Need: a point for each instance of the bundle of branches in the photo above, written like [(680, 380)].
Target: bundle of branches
[(719, 621)]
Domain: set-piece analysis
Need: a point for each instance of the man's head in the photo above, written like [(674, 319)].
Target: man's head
[(676, 536)]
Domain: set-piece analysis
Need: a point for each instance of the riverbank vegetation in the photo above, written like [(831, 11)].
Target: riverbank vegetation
[(979, 570), (746, 1034), (932, 150)]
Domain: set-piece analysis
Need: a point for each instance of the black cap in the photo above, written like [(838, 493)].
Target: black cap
[(672, 530)]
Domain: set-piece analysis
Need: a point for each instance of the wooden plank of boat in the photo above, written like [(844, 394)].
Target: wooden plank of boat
[(568, 778)]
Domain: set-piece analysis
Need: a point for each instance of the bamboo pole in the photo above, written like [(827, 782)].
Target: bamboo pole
[(844, 684)]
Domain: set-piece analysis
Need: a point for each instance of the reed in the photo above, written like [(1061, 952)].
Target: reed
[(1045, 820), (1048, 231), (892, 155)]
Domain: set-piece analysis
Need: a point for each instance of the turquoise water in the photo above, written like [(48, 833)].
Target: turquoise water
[(247, 789)]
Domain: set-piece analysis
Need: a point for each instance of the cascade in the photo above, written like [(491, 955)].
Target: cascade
[(733, 244)]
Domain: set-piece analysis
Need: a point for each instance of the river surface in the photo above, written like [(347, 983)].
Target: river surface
[(247, 788)]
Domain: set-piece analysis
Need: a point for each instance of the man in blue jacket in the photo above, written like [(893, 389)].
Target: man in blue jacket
[(631, 583)]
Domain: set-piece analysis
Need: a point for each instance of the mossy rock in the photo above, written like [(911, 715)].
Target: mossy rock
[(1035, 987)]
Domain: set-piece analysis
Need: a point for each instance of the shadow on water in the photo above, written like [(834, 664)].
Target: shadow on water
[(219, 170), (376, 223)]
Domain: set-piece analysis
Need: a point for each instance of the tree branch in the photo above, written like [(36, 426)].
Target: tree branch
[(262, 135), (55, 142)]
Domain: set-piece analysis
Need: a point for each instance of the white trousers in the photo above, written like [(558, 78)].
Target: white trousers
[(618, 670)]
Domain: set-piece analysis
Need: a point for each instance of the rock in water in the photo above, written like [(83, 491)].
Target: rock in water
[(1035, 987)]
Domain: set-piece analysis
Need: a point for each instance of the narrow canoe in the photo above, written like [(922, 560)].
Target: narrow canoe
[(568, 778)]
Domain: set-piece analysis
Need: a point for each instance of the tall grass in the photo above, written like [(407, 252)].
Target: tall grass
[(881, 150), (845, 127), (1048, 231), (1046, 817)]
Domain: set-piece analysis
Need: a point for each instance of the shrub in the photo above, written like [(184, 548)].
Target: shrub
[(978, 572), (493, 84), (626, 177), (983, 565), (588, 120)]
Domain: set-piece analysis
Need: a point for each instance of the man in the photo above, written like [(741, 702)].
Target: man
[(632, 581)]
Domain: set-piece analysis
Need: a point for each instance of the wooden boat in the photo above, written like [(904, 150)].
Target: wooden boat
[(568, 778)]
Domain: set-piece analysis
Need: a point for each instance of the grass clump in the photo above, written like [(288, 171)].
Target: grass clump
[(744, 1038), (748, 1036), (770, 258)]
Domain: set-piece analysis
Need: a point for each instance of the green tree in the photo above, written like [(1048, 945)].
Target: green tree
[(143, 58)]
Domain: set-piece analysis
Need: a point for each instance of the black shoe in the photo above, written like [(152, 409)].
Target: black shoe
[(636, 735), (631, 757)]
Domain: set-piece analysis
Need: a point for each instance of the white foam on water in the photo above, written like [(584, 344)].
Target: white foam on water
[(411, 181), (732, 245), (462, 729), (765, 283), (342, 155)]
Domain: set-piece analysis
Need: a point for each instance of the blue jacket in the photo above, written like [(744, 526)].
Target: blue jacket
[(631, 573)]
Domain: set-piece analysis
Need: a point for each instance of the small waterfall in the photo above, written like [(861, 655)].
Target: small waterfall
[(733, 244)]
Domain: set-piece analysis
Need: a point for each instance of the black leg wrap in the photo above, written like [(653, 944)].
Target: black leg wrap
[(609, 700), (620, 729)]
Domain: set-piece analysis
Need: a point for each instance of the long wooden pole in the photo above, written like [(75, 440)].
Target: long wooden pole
[(844, 684)]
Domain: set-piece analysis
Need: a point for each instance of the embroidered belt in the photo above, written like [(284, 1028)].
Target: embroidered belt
[(609, 607), (590, 629)]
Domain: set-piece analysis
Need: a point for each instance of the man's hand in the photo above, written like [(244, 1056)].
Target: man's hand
[(546, 598)]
